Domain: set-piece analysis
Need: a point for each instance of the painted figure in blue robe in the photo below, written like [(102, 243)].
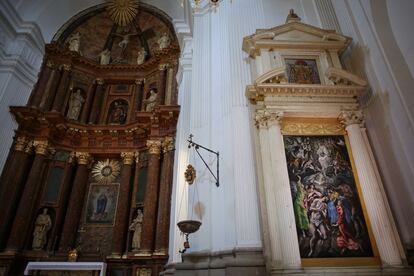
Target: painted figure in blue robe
[(101, 204)]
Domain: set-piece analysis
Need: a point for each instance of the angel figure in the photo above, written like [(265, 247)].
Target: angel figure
[(141, 56), (164, 41), (74, 42)]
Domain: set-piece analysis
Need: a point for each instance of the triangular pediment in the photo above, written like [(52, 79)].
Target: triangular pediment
[(295, 35)]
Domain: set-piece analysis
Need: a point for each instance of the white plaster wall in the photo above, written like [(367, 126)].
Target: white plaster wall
[(376, 55)]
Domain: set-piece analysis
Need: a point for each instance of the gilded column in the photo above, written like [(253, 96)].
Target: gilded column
[(122, 213), (151, 196), (88, 104), (66, 188), (371, 192), (269, 189), (139, 92), (162, 78), (284, 205), (97, 102), (25, 212), (74, 209), (14, 175), (164, 200), (40, 87), (62, 89)]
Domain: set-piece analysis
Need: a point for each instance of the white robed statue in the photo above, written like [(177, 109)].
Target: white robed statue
[(42, 226), (75, 105), (164, 41), (136, 227), (151, 101)]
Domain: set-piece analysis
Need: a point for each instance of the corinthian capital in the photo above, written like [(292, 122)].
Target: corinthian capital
[(41, 147), (84, 158), (265, 118), (168, 144), (128, 157), (154, 146), (347, 118), (21, 143)]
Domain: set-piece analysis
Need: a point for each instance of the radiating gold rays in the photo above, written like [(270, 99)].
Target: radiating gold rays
[(106, 171), (122, 12)]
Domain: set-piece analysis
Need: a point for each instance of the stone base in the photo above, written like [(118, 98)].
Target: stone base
[(248, 262)]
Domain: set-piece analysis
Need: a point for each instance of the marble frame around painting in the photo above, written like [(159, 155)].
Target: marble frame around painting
[(330, 127), (90, 222)]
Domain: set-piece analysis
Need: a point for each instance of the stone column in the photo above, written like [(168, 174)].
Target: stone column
[(66, 188), (276, 253), (97, 102), (88, 103), (371, 192), (164, 201), (25, 212), (139, 92), (151, 196), (162, 78), (284, 204), (36, 97), (122, 212), (62, 89), (74, 209), (13, 178)]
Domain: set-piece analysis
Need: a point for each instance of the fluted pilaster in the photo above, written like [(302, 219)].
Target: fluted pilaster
[(371, 192)]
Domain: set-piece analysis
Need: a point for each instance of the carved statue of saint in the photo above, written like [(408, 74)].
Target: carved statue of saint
[(141, 56), (105, 57), (151, 101), (74, 42), (164, 41), (75, 105), (42, 226), (136, 227)]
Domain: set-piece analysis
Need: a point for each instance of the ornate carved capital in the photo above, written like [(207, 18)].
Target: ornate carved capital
[(71, 158), (163, 66), (67, 67), (265, 118), (29, 147), (50, 64), (139, 81), (168, 144), (154, 146), (84, 158), (21, 143), (128, 157), (275, 118), (41, 147), (347, 118), (100, 81)]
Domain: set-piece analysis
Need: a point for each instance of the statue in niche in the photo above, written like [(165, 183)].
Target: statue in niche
[(74, 42), (141, 56), (118, 112), (105, 57), (164, 41), (136, 227), (43, 224), (75, 105), (151, 101)]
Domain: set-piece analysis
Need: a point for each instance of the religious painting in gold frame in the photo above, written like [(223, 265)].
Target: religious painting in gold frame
[(102, 204), (332, 224)]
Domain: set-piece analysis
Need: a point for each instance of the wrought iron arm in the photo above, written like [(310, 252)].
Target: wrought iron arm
[(196, 146)]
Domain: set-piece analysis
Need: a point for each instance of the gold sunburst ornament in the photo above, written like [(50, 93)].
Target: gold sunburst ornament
[(122, 12), (105, 172)]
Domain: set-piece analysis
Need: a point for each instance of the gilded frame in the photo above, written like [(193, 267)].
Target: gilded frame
[(331, 127)]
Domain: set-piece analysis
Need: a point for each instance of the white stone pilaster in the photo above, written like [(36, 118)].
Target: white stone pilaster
[(371, 191), (284, 205), (276, 253)]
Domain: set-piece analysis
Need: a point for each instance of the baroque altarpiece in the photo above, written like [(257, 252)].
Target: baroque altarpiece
[(90, 170)]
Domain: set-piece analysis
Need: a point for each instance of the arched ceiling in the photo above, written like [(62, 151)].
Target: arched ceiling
[(50, 15)]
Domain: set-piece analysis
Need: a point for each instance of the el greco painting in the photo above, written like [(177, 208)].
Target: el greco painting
[(101, 204), (328, 212), (302, 71)]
